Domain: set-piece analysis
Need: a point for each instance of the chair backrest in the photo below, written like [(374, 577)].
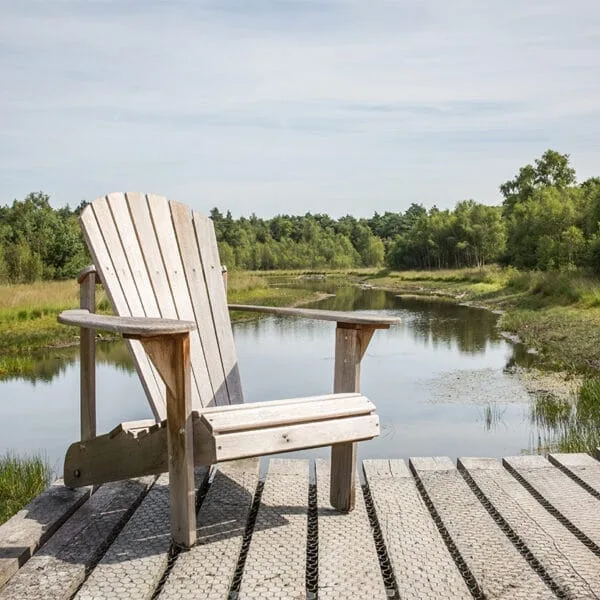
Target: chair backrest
[(158, 258)]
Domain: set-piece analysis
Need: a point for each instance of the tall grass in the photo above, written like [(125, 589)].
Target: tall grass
[(21, 480), (551, 288), (570, 427), (41, 296)]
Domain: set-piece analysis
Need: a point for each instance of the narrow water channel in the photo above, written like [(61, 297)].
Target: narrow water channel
[(439, 380)]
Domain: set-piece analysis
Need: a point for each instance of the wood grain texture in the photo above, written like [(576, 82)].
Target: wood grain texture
[(87, 359), (132, 326), (33, 525), (354, 318), (194, 275), (103, 262), (264, 414), (348, 355), (211, 263)]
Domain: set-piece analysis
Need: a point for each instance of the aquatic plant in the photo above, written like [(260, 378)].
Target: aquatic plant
[(21, 480)]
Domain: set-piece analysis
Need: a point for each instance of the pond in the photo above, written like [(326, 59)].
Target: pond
[(440, 380)]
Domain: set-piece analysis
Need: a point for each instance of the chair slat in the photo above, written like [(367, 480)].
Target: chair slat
[(264, 415), (155, 390), (144, 229), (131, 247), (207, 243), (194, 274), (167, 241)]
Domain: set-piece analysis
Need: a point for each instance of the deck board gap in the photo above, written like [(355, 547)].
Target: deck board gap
[(472, 584), (174, 551), (236, 582), (312, 539), (385, 564), (570, 473), (512, 535), (580, 535)]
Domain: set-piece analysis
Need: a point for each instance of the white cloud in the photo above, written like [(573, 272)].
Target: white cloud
[(288, 106)]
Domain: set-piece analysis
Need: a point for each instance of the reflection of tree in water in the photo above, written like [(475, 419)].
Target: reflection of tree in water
[(469, 329), (45, 366)]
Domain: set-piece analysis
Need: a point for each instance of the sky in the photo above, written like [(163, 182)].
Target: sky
[(289, 106)]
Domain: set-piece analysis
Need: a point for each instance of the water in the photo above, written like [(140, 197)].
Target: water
[(438, 381)]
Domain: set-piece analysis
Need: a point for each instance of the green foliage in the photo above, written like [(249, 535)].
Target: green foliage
[(547, 222), (570, 427), (21, 480), (38, 242)]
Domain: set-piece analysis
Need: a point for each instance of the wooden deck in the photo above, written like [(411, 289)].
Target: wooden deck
[(525, 527)]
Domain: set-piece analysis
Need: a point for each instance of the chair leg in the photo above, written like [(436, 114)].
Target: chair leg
[(171, 357), (343, 476), (351, 342)]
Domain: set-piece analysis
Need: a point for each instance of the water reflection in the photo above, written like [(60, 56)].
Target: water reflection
[(435, 379), (43, 367)]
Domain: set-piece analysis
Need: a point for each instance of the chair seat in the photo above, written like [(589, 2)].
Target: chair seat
[(224, 433)]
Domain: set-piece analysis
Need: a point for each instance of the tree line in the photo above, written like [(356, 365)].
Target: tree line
[(546, 221)]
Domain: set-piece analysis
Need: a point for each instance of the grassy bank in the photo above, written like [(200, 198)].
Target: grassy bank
[(21, 479), (28, 314), (557, 313)]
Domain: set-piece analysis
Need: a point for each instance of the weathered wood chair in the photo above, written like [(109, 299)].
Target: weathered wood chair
[(159, 264)]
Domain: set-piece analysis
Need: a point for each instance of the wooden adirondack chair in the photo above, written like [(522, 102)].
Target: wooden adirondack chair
[(159, 264)]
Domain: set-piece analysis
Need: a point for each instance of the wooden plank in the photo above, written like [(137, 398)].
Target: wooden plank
[(138, 558), (348, 563), (276, 562), (582, 468), (348, 354), (33, 525), (165, 234), (207, 570), (353, 318), (112, 457), (572, 566), (130, 454), (131, 326), (207, 243), (119, 208), (295, 437), (194, 274), (57, 570), (131, 426), (264, 415), (422, 564), (250, 406), (151, 383), (567, 500), (87, 360), (180, 445), (486, 554)]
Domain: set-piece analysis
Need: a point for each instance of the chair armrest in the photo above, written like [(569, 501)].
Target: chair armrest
[(351, 318), (128, 326)]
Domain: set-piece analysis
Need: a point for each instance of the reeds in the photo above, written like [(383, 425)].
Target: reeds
[(21, 480)]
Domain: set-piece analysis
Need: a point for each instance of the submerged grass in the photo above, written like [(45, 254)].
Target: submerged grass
[(569, 426), (21, 480)]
